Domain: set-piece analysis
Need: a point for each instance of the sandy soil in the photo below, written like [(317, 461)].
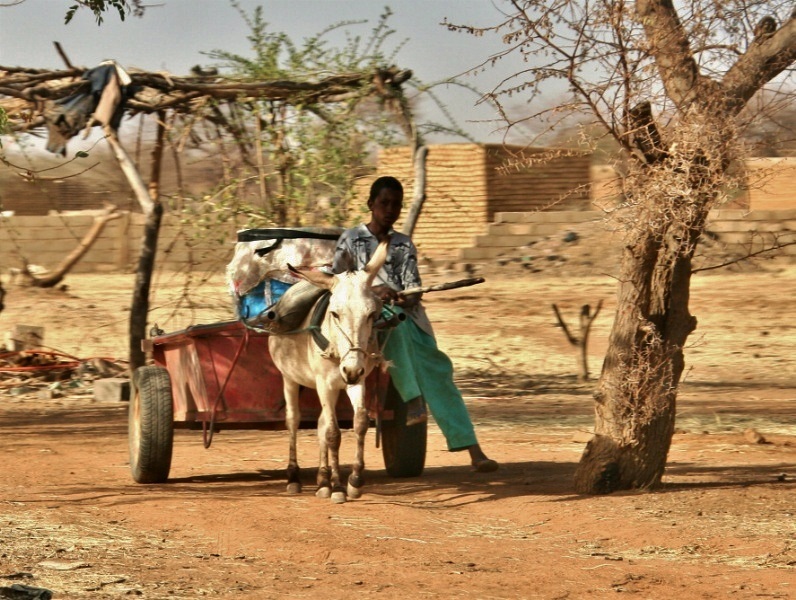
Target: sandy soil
[(722, 525)]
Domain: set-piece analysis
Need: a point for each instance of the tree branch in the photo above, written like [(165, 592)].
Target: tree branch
[(766, 57), (570, 338), (670, 48), (131, 173), (75, 255), (645, 133), (749, 256)]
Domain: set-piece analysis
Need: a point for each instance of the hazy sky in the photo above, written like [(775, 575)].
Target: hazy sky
[(171, 37)]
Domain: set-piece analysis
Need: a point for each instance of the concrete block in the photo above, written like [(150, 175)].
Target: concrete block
[(735, 237), (548, 229), (510, 229), (771, 226), (763, 215), (508, 217), (502, 241), (568, 216), (730, 214), (112, 389), (582, 437), (24, 337), (727, 226), (475, 254)]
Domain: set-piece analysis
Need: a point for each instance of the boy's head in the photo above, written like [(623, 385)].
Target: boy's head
[(384, 183), (386, 201)]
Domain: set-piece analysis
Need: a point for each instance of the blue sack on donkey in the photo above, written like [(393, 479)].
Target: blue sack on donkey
[(258, 274)]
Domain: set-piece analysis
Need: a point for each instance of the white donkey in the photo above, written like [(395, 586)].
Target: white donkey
[(351, 354)]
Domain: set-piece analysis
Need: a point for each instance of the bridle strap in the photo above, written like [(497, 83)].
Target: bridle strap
[(351, 346), (314, 328), (317, 318)]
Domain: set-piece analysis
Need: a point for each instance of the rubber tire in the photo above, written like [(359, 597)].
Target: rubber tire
[(403, 448), (150, 430)]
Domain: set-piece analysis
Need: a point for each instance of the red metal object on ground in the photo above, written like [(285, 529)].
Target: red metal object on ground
[(223, 374)]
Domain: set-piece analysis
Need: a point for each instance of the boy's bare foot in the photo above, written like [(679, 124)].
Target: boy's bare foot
[(480, 461), (416, 411)]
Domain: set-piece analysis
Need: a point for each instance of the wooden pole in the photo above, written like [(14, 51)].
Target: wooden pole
[(420, 191), (147, 197), (582, 342)]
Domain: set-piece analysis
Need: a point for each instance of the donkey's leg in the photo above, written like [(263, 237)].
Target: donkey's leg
[(292, 418), (357, 478), (329, 440), (324, 486)]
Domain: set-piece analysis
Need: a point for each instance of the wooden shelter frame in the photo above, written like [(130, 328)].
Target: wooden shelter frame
[(26, 93)]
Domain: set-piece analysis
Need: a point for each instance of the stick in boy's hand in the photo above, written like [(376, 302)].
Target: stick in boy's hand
[(442, 286)]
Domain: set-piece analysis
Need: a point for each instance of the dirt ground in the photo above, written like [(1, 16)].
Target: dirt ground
[(722, 525)]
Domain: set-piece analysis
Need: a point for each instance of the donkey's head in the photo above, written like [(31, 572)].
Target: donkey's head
[(353, 310)]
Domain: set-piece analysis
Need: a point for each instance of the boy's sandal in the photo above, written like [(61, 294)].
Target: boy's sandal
[(416, 412)]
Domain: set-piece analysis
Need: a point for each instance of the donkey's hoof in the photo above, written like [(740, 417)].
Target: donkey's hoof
[(353, 492), (323, 492), (338, 498), (294, 487)]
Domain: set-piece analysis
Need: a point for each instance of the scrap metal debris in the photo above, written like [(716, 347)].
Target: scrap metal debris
[(50, 374), (25, 592)]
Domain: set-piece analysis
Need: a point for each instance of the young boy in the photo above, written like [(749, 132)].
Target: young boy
[(420, 371)]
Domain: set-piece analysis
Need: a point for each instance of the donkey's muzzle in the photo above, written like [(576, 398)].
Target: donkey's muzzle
[(352, 375)]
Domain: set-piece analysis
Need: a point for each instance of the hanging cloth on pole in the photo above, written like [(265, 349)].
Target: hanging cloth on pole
[(100, 102)]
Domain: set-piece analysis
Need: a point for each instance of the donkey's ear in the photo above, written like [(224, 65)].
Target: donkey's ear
[(377, 261), (345, 261), (318, 278)]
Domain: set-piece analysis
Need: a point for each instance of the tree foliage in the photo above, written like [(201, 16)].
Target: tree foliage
[(100, 7), (294, 125), (314, 152)]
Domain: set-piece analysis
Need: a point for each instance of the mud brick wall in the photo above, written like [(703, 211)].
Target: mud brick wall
[(455, 209), (47, 240), (742, 231), (471, 208), (770, 185), (730, 233), (467, 184), (548, 184)]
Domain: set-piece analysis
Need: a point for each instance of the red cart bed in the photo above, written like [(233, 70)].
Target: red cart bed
[(220, 376)]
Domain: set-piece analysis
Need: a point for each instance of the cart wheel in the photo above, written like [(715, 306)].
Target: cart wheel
[(150, 425), (403, 448)]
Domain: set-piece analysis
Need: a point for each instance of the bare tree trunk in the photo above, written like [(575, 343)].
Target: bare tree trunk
[(143, 281), (153, 209), (75, 255), (635, 400), (636, 395), (420, 191)]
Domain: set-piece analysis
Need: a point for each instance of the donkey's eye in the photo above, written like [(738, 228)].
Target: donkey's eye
[(334, 314)]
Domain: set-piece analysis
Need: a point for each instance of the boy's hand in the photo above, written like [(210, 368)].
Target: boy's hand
[(386, 294), (390, 296), (408, 301)]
